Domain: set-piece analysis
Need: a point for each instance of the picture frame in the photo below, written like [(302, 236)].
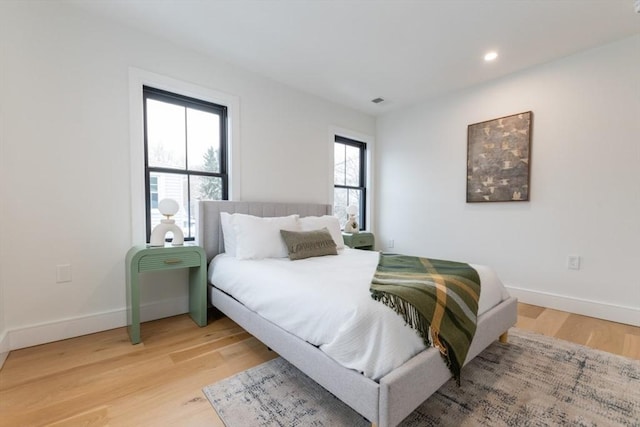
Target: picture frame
[(499, 159)]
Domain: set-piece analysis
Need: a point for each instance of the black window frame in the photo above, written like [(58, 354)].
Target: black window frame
[(149, 92), (362, 178)]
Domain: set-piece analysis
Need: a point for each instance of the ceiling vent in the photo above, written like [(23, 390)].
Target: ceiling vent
[(377, 100)]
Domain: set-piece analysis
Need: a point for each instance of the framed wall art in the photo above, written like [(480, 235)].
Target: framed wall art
[(498, 159)]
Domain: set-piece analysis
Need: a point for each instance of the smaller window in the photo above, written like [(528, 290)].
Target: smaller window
[(349, 182)]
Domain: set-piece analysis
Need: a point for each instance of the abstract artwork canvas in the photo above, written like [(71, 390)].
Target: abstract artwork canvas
[(498, 158)]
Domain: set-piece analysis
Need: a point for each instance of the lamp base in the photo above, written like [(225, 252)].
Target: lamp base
[(351, 227), (158, 235)]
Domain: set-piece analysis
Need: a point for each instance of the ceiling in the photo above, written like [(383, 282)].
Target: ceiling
[(352, 51)]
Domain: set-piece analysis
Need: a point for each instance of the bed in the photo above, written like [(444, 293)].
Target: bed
[(385, 401)]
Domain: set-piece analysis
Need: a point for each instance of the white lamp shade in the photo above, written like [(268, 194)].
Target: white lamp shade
[(352, 209), (168, 207)]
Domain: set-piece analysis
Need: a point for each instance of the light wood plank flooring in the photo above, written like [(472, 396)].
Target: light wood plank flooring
[(101, 379)]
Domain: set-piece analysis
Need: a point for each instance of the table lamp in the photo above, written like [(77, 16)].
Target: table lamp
[(168, 208), (352, 225)]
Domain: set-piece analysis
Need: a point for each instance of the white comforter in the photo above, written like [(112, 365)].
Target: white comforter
[(326, 301)]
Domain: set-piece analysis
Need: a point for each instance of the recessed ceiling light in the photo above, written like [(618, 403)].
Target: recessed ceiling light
[(490, 56)]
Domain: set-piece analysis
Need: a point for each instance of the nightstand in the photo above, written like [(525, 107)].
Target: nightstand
[(145, 258), (363, 240)]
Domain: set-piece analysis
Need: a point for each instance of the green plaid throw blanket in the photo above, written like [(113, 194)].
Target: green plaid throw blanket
[(437, 298)]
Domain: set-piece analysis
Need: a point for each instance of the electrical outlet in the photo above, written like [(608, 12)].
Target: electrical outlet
[(573, 262), (63, 273), (390, 244)]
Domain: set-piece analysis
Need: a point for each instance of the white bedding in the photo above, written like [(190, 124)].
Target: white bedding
[(326, 302)]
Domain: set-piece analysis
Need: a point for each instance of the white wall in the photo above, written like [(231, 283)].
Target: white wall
[(4, 336), (65, 162), (585, 176)]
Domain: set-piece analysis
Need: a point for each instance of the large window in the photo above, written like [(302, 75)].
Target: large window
[(349, 179), (185, 155)]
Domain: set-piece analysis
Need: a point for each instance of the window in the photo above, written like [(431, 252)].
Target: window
[(349, 180), (185, 143), (153, 191)]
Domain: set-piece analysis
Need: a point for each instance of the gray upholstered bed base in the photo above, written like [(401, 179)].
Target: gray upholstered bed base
[(396, 395)]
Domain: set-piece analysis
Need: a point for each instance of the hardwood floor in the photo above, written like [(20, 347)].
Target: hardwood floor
[(600, 334), (101, 379)]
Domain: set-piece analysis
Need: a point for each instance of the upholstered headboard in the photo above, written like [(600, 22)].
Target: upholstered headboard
[(209, 231)]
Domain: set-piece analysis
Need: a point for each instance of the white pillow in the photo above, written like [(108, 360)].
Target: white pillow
[(309, 223), (258, 238), (228, 233)]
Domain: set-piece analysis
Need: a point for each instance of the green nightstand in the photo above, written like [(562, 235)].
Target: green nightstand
[(363, 240), (146, 258)]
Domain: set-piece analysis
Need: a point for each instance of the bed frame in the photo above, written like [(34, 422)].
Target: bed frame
[(384, 403)]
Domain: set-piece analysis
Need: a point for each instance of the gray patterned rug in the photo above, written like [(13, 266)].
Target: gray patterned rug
[(532, 381)]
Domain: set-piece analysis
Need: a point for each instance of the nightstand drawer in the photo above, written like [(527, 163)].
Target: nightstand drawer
[(363, 240), (166, 261)]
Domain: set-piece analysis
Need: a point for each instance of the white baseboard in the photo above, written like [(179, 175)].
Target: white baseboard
[(614, 313), (4, 347), (74, 327)]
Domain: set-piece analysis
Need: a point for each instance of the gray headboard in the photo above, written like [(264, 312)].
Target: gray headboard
[(209, 231)]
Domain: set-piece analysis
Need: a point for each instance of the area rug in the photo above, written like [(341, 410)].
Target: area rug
[(532, 381)]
